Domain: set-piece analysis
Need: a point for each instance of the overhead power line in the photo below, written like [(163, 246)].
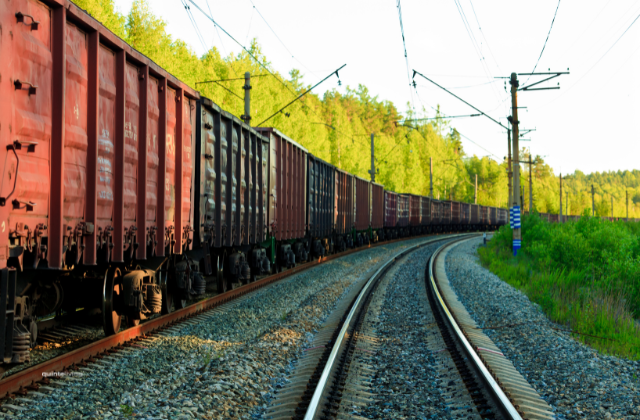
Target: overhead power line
[(545, 41), (404, 45)]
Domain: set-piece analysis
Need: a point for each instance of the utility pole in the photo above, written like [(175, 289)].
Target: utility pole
[(517, 232), (593, 201), (373, 165), (509, 171), (431, 177), (247, 98), (530, 185), (626, 193), (560, 199), (475, 194)]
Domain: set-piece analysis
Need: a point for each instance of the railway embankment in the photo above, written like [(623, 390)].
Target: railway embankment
[(584, 274), (576, 379)]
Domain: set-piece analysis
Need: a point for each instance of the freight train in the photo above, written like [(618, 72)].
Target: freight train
[(124, 190)]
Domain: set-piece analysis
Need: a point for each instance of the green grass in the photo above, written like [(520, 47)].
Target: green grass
[(585, 275)]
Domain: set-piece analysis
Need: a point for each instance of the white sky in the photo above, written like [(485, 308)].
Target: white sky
[(586, 125)]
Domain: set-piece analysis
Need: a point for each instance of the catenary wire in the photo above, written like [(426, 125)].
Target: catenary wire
[(545, 42), (404, 45)]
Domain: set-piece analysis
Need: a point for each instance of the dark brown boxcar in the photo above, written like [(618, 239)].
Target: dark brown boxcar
[(456, 216), (403, 210), (436, 212), (390, 209), (465, 213), (415, 213), (475, 214), (425, 219), (377, 204), (363, 204), (287, 184), (484, 215), (321, 179), (493, 215), (446, 212)]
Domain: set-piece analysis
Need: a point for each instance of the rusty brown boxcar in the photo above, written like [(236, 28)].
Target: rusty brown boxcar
[(363, 210), (446, 213), (345, 209), (320, 205), (287, 198), (502, 217), (403, 214), (99, 145)]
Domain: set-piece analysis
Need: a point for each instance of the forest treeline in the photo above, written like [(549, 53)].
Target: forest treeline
[(337, 126)]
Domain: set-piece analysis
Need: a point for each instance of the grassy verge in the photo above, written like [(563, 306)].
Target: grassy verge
[(585, 275)]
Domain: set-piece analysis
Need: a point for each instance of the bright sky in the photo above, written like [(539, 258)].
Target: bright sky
[(586, 125)]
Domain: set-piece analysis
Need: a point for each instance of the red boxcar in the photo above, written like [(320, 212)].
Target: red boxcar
[(390, 209), (503, 215), (363, 203), (403, 210), (345, 202), (288, 185), (377, 206)]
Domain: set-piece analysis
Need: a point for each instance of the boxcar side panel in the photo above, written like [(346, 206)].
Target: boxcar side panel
[(377, 206), (363, 206)]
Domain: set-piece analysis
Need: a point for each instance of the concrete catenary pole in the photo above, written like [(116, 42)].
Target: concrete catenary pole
[(247, 98), (517, 232), (430, 177), (593, 201), (626, 193), (530, 186), (373, 165), (475, 194), (560, 220)]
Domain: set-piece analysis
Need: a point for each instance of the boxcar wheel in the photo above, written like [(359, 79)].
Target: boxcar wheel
[(110, 293)]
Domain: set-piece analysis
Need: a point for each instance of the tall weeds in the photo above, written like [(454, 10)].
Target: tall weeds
[(585, 275)]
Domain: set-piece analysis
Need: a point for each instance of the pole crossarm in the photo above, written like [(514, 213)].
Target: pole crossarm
[(554, 75), (302, 94), (457, 97)]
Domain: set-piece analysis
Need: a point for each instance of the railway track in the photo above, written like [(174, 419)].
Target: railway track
[(31, 379), (333, 377)]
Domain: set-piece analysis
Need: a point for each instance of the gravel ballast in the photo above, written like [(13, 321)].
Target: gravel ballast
[(576, 380), (223, 364)]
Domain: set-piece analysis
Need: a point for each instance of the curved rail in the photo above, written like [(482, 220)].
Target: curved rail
[(499, 398), (314, 403)]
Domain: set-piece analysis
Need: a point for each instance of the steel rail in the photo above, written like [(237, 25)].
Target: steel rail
[(324, 377), (499, 397), (35, 376)]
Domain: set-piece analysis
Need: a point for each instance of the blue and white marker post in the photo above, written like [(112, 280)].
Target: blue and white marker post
[(514, 212)]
